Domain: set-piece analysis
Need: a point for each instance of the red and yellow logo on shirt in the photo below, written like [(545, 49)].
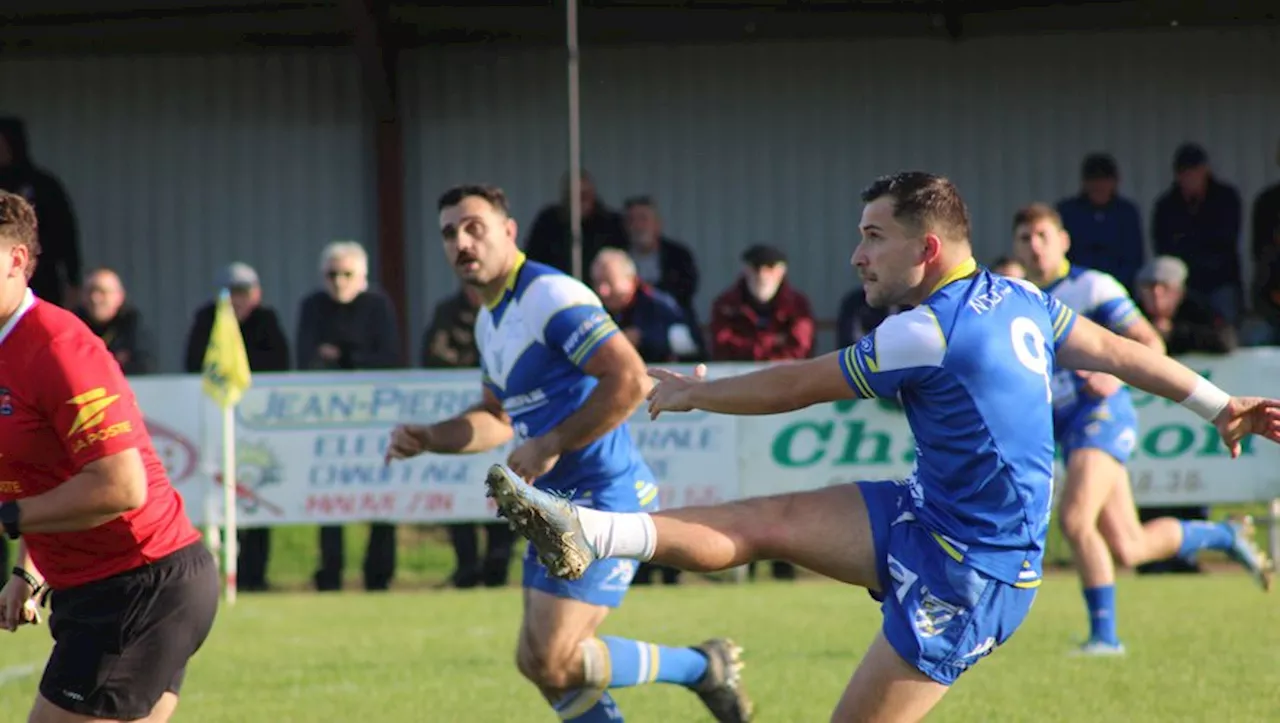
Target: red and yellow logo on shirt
[(91, 412)]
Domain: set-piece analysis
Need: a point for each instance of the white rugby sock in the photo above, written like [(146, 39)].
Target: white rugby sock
[(619, 534)]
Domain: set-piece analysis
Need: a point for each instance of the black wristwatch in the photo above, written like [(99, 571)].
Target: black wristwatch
[(9, 516)]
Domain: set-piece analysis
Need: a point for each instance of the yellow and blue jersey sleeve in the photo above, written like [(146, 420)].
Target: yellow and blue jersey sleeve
[(892, 356), (1112, 306), (579, 331), (570, 317), (1064, 319)]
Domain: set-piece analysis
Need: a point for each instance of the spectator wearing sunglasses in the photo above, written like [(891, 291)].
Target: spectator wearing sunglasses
[(348, 326)]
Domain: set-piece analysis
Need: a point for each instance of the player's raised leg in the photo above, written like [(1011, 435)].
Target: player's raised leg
[(834, 539), (1092, 475), (1134, 543)]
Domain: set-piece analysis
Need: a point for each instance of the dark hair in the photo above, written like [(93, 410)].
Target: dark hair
[(644, 200), (18, 224), (923, 201), (494, 195), (1004, 261), (1036, 212)]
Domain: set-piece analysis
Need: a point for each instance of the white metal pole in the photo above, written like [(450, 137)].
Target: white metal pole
[(575, 138), (230, 548)]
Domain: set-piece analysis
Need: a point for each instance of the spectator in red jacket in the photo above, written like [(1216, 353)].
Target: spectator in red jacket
[(761, 317)]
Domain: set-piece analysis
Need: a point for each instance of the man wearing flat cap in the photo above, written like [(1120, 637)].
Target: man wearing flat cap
[(762, 318), (268, 351), (1198, 220), (1105, 228), (1185, 319)]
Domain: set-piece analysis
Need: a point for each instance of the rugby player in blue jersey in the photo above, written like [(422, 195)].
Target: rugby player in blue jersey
[(560, 378), (1097, 428), (954, 551)]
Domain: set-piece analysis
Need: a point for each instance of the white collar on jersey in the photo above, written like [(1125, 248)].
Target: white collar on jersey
[(28, 301)]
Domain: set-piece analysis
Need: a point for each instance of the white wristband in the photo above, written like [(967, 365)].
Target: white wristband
[(1207, 400)]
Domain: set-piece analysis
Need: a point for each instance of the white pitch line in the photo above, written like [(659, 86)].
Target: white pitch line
[(17, 672)]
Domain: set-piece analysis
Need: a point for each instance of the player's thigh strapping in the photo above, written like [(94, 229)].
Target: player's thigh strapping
[(122, 642), (606, 581), (940, 615)]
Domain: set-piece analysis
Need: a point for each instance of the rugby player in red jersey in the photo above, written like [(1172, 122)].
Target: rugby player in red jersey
[(134, 590)]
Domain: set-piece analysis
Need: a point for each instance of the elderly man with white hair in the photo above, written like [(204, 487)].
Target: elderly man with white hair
[(652, 319), (349, 326)]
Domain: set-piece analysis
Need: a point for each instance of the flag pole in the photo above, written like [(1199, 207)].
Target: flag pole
[(229, 486)]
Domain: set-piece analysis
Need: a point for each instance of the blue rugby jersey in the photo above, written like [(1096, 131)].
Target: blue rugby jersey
[(533, 343), (972, 366)]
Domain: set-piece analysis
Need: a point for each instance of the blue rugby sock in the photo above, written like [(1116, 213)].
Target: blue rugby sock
[(588, 706), (1200, 535), (632, 662), (1101, 602)]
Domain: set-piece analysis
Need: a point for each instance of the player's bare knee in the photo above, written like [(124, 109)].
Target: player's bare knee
[(550, 669), (768, 536), (1076, 524), (1126, 552)]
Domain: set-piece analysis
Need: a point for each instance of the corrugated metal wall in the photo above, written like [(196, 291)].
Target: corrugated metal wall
[(772, 141), (178, 165)]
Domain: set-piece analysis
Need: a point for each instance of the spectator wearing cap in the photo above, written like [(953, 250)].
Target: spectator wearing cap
[(1186, 320), (762, 318), (268, 351), (1105, 228), (1198, 220), (1265, 244)]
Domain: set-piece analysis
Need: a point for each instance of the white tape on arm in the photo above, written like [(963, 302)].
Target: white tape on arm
[(1207, 400)]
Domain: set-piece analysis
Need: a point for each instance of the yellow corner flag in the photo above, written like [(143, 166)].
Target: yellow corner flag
[(226, 365)]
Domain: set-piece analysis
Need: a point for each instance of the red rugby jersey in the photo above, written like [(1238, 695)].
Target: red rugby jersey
[(64, 403)]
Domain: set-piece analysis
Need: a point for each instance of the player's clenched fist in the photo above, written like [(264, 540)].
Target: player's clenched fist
[(407, 440), (17, 606)]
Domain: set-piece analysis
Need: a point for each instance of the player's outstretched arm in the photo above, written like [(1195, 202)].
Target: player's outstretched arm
[(481, 428), (775, 389), (1093, 348)]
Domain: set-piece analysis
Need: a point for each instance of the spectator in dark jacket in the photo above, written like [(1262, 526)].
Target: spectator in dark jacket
[(450, 343), (656, 325), (347, 325), (107, 312), (57, 275), (1265, 245), (661, 262), (1188, 323), (268, 351), (550, 239), (264, 339), (1105, 228), (761, 317), (1198, 220)]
